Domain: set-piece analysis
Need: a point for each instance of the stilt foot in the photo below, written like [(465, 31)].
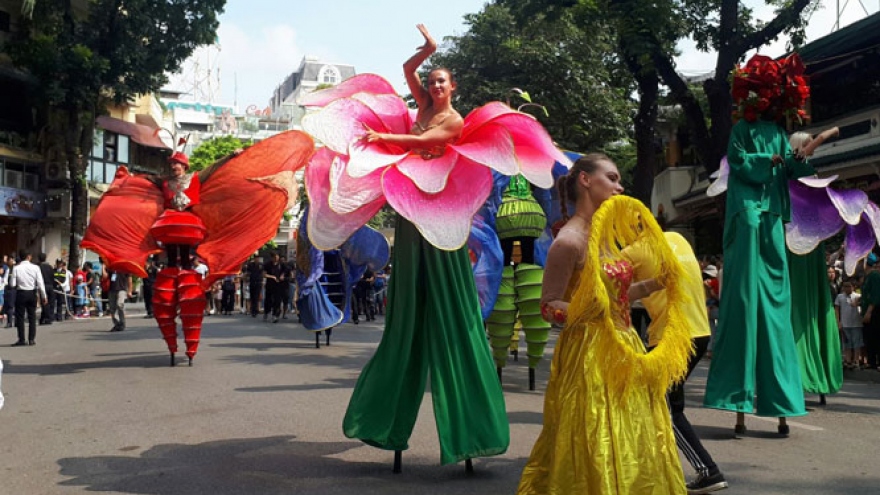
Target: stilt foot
[(173, 363), (317, 340), (531, 378), (498, 370), (515, 355), (822, 401), (190, 362), (469, 466), (398, 460)]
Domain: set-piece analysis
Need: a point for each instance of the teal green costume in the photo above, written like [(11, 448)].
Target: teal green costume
[(814, 323), (754, 351), (434, 325)]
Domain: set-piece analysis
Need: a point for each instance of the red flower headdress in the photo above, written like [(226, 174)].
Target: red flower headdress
[(767, 84)]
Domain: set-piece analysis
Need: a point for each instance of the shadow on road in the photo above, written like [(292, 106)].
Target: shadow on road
[(271, 465), (326, 385), (138, 360)]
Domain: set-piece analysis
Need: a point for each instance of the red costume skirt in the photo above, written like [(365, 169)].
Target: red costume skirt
[(178, 227)]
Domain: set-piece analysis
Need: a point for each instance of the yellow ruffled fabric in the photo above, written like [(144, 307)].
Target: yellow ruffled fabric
[(607, 429)]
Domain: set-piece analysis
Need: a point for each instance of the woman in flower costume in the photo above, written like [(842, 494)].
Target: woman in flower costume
[(434, 169), (754, 324), (607, 428)]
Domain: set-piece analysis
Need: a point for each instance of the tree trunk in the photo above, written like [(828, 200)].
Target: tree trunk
[(645, 122), (78, 137)]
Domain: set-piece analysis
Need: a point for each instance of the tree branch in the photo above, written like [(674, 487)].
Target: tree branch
[(786, 18)]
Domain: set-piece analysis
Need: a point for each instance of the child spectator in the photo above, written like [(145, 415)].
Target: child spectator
[(849, 319)]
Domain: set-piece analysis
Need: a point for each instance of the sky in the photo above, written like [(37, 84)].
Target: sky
[(262, 41)]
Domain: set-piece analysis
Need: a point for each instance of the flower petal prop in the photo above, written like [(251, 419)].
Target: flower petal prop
[(444, 218), (439, 195), (326, 228), (719, 185), (818, 212), (860, 241)]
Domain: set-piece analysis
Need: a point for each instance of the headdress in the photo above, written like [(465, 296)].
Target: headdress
[(767, 84)]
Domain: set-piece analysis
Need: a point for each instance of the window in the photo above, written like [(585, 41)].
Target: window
[(329, 75), (108, 152)]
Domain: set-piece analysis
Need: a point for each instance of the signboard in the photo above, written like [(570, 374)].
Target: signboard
[(22, 204)]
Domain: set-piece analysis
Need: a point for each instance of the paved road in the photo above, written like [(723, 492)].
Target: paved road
[(260, 412)]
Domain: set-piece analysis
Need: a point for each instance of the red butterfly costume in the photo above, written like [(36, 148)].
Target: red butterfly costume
[(226, 212)]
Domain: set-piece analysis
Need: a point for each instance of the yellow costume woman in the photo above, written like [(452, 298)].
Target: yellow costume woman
[(607, 428)]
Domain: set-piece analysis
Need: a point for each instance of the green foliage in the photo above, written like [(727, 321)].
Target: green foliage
[(214, 149), (570, 70), (111, 49)]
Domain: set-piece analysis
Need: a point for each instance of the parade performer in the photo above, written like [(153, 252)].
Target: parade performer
[(435, 171), (754, 323), (212, 213), (521, 219), (607, 428), (318, 312)]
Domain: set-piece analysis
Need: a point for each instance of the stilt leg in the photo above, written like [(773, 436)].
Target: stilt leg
[(398, 456), (317, 340), (783, 427), (499, 370), (531, 378), (822, 400), (740, 427), (468, 466), (328, 333), (172, 360)]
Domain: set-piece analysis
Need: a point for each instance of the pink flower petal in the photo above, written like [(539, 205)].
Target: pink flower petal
[(391, 109), (328, 229), (347, 194), (533, 147), (492, 146), (342, 122), (428, 175), (482, 116), (444, 219), (365, 158), (362, 83)]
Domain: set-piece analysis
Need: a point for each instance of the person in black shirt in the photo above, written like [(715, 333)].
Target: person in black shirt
[(255, 284), (46, 315), (275, 282), (363, 296), (148, 283)]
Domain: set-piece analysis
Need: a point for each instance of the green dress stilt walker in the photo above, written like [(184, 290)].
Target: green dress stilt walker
[(434, 328), (754, 365), (814, 322)]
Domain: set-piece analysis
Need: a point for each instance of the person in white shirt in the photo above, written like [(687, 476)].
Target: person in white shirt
[(28, 281), (850, 322)]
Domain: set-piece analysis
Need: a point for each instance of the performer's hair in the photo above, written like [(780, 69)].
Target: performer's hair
[(567, 184)]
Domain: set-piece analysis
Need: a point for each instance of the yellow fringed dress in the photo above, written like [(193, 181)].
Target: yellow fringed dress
[(607, 429)]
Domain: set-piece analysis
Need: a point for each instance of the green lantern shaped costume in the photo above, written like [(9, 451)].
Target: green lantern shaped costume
[(521, 218)]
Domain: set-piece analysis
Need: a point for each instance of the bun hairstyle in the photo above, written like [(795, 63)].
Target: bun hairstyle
[(567, 184)]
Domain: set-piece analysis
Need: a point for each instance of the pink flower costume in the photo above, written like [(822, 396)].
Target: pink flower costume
[(434, 324)]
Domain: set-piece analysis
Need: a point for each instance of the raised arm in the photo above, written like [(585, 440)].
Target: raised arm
[(411, 68)]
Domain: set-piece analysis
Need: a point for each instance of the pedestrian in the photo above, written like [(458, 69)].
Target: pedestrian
[(30, 290), (148, 283), (227, 288), (61, 284), (120, 290), (363, 294), (274, 273), (255, 284), (46, 315), (645, 267), (846, 307), (379, 284), (94, 284), (202, 269), (10, 293), (4, 277)]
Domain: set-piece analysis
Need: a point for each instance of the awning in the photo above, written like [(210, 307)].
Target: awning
[(140, 134)]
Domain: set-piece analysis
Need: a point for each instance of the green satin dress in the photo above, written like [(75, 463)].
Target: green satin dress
[(433, 328), (814, 323)]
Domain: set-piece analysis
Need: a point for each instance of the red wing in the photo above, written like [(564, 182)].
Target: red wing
[(243, 199), (119, 231)]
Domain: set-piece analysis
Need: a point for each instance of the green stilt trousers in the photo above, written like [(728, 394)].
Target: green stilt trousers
[(433, 328)]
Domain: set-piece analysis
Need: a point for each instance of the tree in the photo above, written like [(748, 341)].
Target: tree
[(85, 54), (571, 70), (214, 149)]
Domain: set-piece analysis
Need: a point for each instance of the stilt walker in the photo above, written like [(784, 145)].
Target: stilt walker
[(212, 213)]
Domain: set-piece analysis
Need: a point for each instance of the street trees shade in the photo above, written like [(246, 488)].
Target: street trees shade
[(570, 69), (86, 54)]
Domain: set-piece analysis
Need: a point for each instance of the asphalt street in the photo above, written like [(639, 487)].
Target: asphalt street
[(88, 410)]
